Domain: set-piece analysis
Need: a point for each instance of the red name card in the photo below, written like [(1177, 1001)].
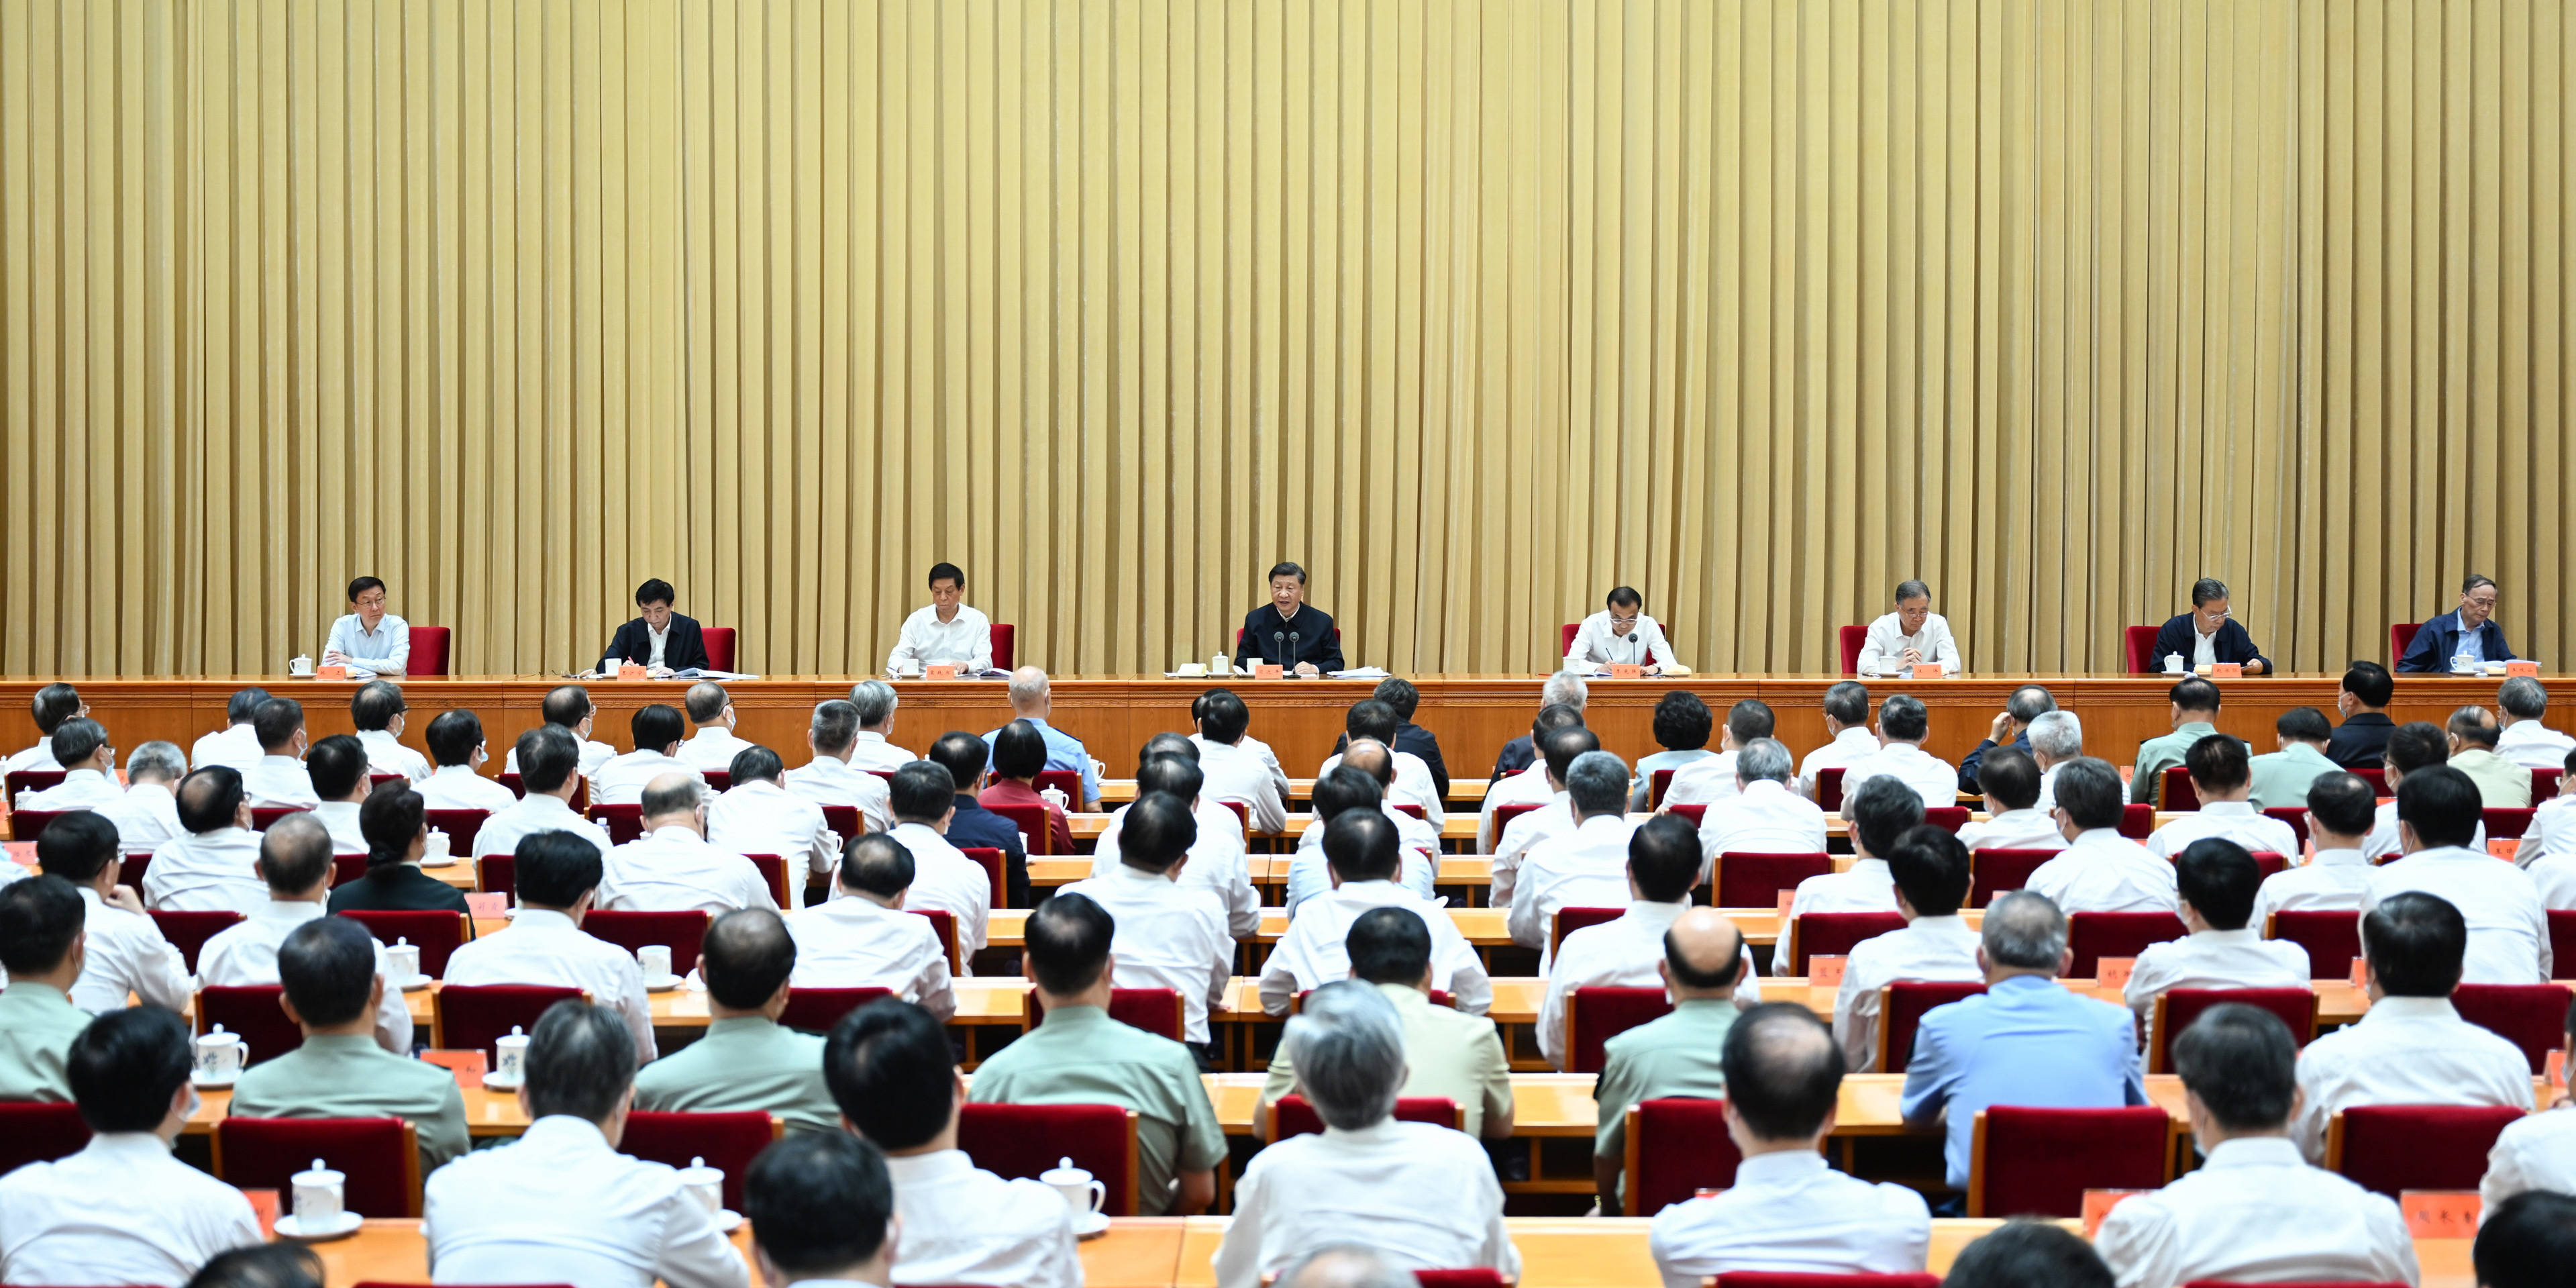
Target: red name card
[(944, 671), (2098, 1204), (629, 671), (2114, 972), (1627, 671), (2439, 1214), (2531, 669), (263, 1205), (1269, 671), (1826, 971), (331, 673), (487, 903), (1786, 897), (2227, 671), (468, 1066), (2504, 847), (1929, 671), (2557, 1068), (2360, 973)]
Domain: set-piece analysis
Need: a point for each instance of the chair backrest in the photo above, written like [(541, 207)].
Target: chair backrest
[(719, 642), (263, 815), (518, 785), (2092, 936), (726, 1141), (28, 824), (1780, 1279), (681, 931), (2038, 1162), (943, 927), (1949, 818), (2332, 937), (130, 869), (30, 780), (1991, 872), (2544, 784), (2531, 1016), (1901, 1007), (346, 868), (2176, 1008), (1751, 880), (1242, 815), (1006, 638), (1676, 1147), (1295, 1116), (2139, 642), (376, 780), (1503, 816), (472, 1017), (1465, 1277), (1155, 1010), (434, 932), (1068, 781), (252, 1011), (1031, 820), (428, 650), (624, 822), (2376, 776), (1850, 640), (717, 780), (2270, 862), (844, 820), (1593, 1016), (2137, 821), (1829, 789), (2294, 815), (1694, 813), (1565, 638), (2562, 939), (991, 860), (2507, 821), (1832, 934), (2400, 635), (773, 874), (1013, 1141), (1411, 809), (498, 874), (34, 1131), (816, 1010), (1565, 921), (2390, 1148), (378, 1158), (461, 826), (189, 931), (2176, 792), (1658, 784)]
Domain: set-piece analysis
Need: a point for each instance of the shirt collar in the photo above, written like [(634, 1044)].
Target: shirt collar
[(2338, 859), (2401, 1009), (328, 1042), (1073, 1017), (293, 912), (143, 1145), (1604, 823), (1374, 1133), (35, 994), (526, 918), (937, 1165), (1764, 787), (2255, 1151), (748, 1026), (1783, 1168), (2225, 938), (2016, 815), (2099, 836), (71, 776), (2237, 809), (266, 761), (2194, 729), (2025, 984), (1954, 924), (451, 771), (675, 834), (566, 1130)]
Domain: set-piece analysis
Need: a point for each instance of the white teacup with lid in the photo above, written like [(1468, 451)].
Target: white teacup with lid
[(1081, 1193), (319, 1195), (220, 1056), (513, 1052)]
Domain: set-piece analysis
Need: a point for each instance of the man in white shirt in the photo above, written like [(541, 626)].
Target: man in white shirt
[(2056, 738), (876, 701), (2412, 747), (2100, 870), (147, 813), (367, 639), (829, 778), (1423, 1197), (2253, 1210), (2538, 1152), (53, 704), (1881, 811), (1236, 766), (2437, 810), (1377, 721), (456, 741), (714, 745), (2219, 774), (890, 1068), (865, 938), (1362, 854), (758, 816), (657, 743), (945, 633), (821, 1207), (672, 867), (1788, 1211), (295, 861), (83, 1219), (125, 954), (569, 706), (2410, 1047), (279, 778), (1169, 934), (212, 867), (558, 875), (1351, 786), (1663, 863), (1621, 634), (1764, 815), (1586, 867), (2216, 880), (548, 756), (338, 767), (379, 711), (1930, 871), (2340, 806), (1217, 863), (2010, 779), (925, 798), (1529, 784), (2525, 740), (1847, 736), (1903, 724), (88, 760), (1556, 755), (1682, 726), (1714, 778), (1911, 636), (560, 1202), (237, 743)]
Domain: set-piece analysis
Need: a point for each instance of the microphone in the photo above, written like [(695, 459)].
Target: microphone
[(1632, 639), (1278, 642), (1292, 648)]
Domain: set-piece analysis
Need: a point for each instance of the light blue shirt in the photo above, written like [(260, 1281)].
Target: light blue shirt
[(385, 651), (2472, 646), (1064, 751), (1308, 876), (2026, 1041)]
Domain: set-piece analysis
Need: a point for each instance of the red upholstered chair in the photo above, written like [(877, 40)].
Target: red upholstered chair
[(428, 651), (1013, 1141), (1832, 934), (726, 1141), (1155, 1010), (1949, 818), (1412, 809), (130, 869), (252, 1011), (943, 927), (498, 874), (1676, 1147), (1006, 638), (30, 780), (189, 931), (2301, 1283), (624, 822), (993, 864), (2030, 1161), (1748, 880), (1293, 1116), (1472, 1277), (471, 1018), (844, 820), (39, 1132), (346, 868), (2562, 939), (1829, 789), (1593, 1016), (1991, 872), (28, 824), (2331, 936), (816, 1010), (1068, 781), (1658, 784), (717, 780), (1901, 1007), (1031, 820), (1783, 1279), (435, 933), (1564, 638), (2139, 642), (2093, 936), (1242, 814), (518, 786), (719, 641), (2544, 784), (1693, 814), (2176, 1008), (2504, 820), (2376, 777), (2400, 635), (263, 815), (2390, 1148), (2531, 1016), (2294, 815), (1503, 816), (2137, 821), (375, 781), (461, 826), (378, 1158), (681, 931), (773, 873), (1565, 921), (2177, 794), (1850, 639), (2270, 862)]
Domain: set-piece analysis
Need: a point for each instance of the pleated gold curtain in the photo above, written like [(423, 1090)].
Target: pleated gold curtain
[(1475, 307)]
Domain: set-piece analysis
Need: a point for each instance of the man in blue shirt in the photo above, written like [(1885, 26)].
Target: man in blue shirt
[(965, 756), (2027, 1041), (1031, 700), (2467, 631)]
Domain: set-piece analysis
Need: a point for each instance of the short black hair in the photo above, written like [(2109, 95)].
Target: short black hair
[(2218, 878), (892, 1073), (2527, 1241), (328, 965), (1019, 750), (2416, 745), (2442, 804), (1168, 744), (581, 1059), (2343, 803), (74, 741), (1748, 719), (1157, 832), (261, 1265), (2088, 789), (361, 585), (1930, 865), (1370, 718), (375, 705), (2030, 702), (2193, 693), (877, 864), (705, 700), (746, 955), (2205, 590), (39, 918), (922, 791), (758, 764), (962, 754), (2009, 778), (1561, 746), (1286, 569), (1625, 597), (389, 819), (1552, 717), (239, 709), (336, 765), (78, 846), (554, 869), (548, 755), (2370, 683), (2218, 762), (2242, 1063), (1346, 787), (127, 1066), (566, 705), (1882, 808), (819, 1202), (1177, 775), (453, 736), (209, 798), (1847, 702), (1783, 1070), (1399, 693), (2304, 724), (1221, 714), (2029, 1254), (945, 571), (655, 591), (1068, 940), (656, 726), (1361, 845), (295, 854), (56, 703), (1389, 946), (1903, 717), (277, 721), (1682, 721), (2416, 943), (1664, 858), (835, 726)]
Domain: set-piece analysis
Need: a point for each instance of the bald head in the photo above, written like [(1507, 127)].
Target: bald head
[(295, 857), (1029, 692), (672, 800), (1371, 757), (1703, 955)]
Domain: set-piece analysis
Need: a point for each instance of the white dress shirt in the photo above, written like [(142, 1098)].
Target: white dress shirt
[(2212, 959), (1788, 1212), (1704, 781), (1621, 953), (851, 942), (2406, 1051), (2331, 882), (965, 641), (1217, 864), (1313, 954), (2537, 1153), (1421, 1197), (279, 781), (1413, 785), (964, 1225), (1933, 779), (387, 755), (80, 789), (1866, 887), (1231, 773), (1846, 748), (145, 816), (127, 955), (2014, 829), (1927, 948), (1583, 868), (2555, 878), (1765, 818), (39, 757), (560, 1204), (594, 755), (2508, 926), (459, 787), (1255, 748), (2552, 832), (81, 1219), (541, 946), (2253, 1212), (536, 812), (1597, 647), (206, 872), (713, 747), (830, 780), (1642, 797), (2048, 789), (245, 955), (2236, 821), (1310, 874), (872, 751), (1168, 936), (236, 746), (385, 650), (673, 868), (2103, 871), (1550, 819), (943, 877), (1528, 787), (622, 780), (341, 820), (2534, 745), (761, 817), (2383, 840), (1887, 641)]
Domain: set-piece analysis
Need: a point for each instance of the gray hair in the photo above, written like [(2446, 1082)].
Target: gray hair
[(156, 760), (1906, 590), (1566, 688), (2057, 735), (875, 700), (1597, 783), (1761, 759), (2523, 698), (2026, 931), (1028, 686), (1343, 1265), (1348, 1047)]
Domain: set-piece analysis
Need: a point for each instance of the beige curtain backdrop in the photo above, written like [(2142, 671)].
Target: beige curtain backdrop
[(1476, 307)]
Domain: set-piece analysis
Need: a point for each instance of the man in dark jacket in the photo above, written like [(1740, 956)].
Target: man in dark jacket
[(2207, 623), (660, 639), (2362, 739), (2470, 627)]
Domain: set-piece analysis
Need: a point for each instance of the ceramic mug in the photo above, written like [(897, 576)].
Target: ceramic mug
[(1081, 1193), (319, 1194), (655, 959), (220, 1055), (513, 1051), (704, 1183), (300, 666), (403, 958)]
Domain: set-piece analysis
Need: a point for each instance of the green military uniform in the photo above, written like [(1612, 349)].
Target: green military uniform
[(743, 1063), (2156, 755), (37, 1025), (1080, 1056), (1676, 1055), (352, 1077), (2502, 784), (1447, 1052), (2282, 778)]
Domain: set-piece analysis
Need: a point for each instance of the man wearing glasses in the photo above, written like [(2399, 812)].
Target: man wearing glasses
[(1622, 634), (2207, 635), (2468, 632), (368, 639)]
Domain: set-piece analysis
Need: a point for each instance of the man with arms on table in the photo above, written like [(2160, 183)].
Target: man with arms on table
[(1410, 738), (2099, 870), (456, 743), (338, 768), (54, 704), (548, 755), (569, 706), (656, 730), (1903, 724), (1527, 783), (946, 633), (88, 759), (874, 750), (147, 813), (2208, 634), (1764, 815), (211, 867), (558, 875), (1414, 784), (1847, 736), (236, 744), (41, 946), (821, 1209), (1583, 867), (1714, 778), (924, 799), (1882, 809), (1930, 870), (2340, 810), (759, 816), (660, 641), (2468, 632), (2217, 881), (1622, 634), (1448, 1054), (1170, 934), (1362, 857), (368, 639), (2508, 929), (1237, 766), (1314, 651), (672, 867), (295, 861), (1628, 951), (279, 778), (1565, 689), (2013, 820), (1911, 636), (2221, 776), (1674, 1055)]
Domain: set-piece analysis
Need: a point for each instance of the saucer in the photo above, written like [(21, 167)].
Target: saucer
[(498, 1083), (416, 982), (728, 1221), (1091, 1225), (346, 1225), (439, 860), (211, 1084), (661, 983)]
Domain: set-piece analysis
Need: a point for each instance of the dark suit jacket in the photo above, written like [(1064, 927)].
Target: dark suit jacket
[(976, 826), (1418, 740), (1518, 754), (2360, 742), (1314, 630), (1968, 767), (400, 888), (2232, 644), (687, 646), (2440, 638)]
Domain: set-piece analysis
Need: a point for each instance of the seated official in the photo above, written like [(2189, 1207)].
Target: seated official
[(876, 701), (1032, 700), (971, 826), (212, 867), (235, 745), (1715, 779), (1847, 735), (1586, 867), (896, 1080), (1765, 814), (1903, 724), (334, 992), (1787, 1210), (1627, 951), (2502, 784), (2525, 740), (549, 759), (1239, 767), (339, 769), (2508, 929), (1362, 855), (672, 867), (129, 1075), (1414, 785), (2222, 776), (1911, 636), (746, 1062), (456, 743), (53, 704), (379, 711), (2537, 1152), (367, 639), (758, 815), (2011, 728), (2281, 777), (660, 641), (946, 632), (2029, 1252), (924, 799), (1682, 727), (714, 745), (2024, 1041), (1078, 1055), (279, 778), (123, 951), (831, 779), (2216, 881), (1881, 811), (2548, 850), (41, 947), (1622, 634), (1410, 739), (2413, 747), (2465, 636), (1557, 754), (821, 1208), (148, 813), (1448, 1053), (1267, 630), (1676, 1054), (88, 760), (2527, 1242), (2194, 716), (2208, 634), (568, 707), (865, 938), (2055, 739), (1930, 871), (1423, 1197), (2014, 821), (2410, 1047), (396, 837), (1171, 933), (557, 875), (560, 1204), (2340, 809), (2099, 870), (1563, 689), (1019, 756), (2361, 741), (1351, 786), (2253, 1210), (295, 861)]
